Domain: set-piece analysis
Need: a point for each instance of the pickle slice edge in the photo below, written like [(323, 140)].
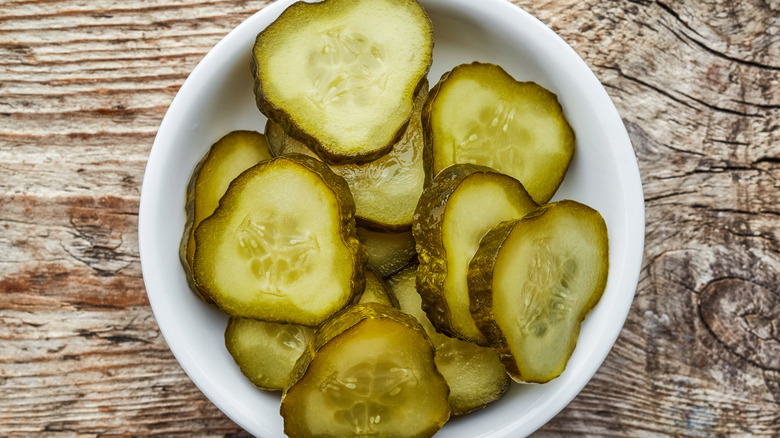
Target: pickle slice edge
[(341, 75), (532, 283)]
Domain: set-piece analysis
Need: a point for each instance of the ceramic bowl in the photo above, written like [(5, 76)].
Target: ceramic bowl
[(217, 98)]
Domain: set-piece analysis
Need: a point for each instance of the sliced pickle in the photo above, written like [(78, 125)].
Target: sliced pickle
[(376, 291), (279, 143), (387, 252), (533, 281), (479, 114), (282, 245), (386, 190), (474, 374), (341, 75), (462, 203), (227, 158), (266, 352), (367, 372)]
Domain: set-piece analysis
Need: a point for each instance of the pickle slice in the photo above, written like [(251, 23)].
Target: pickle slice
[(227, 158), (386, 190), (387, 252), (266, 352), (279, 143), (479, 114), (282, 245), (474, 374), (367, 372), (341, 75), (462, 203), (533, 281), (376, 291)]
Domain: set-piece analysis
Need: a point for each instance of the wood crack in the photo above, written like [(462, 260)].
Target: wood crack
[(667, 195), (731, 142), (648, 85), (111, 12), (724, 210), (46, 65), (177, 78), (717, 108), (769, 160), (712, 170), (677, 17), (709, 49), (758, 105), (684, 151)]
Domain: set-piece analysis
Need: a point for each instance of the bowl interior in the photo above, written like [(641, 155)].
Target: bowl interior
[(218, 98)]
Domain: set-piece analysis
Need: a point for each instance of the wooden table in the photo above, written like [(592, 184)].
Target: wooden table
[(85, 84)]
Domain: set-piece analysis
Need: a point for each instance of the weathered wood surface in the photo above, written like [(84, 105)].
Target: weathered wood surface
[(84, 86)]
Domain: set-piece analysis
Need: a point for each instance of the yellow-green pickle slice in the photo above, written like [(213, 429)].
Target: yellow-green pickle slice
[(369, 371), (479, 114), (387, 252), (226, 159), (533, 281), (341, 75), (462, 203), (386, 190), (376, 291), (282, 245), (266, 352), (474, 374)]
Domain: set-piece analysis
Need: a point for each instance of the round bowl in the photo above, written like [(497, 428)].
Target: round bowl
[(217, 98)]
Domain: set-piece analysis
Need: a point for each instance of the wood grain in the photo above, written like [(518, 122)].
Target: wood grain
[(84, 86)]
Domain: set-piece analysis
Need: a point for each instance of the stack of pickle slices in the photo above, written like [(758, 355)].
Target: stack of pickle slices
[(388, 255)]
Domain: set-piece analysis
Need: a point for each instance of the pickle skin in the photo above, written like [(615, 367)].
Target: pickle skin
[(427, 232), (187, 244), (286, 120), (341, 323), (427, 229), (480, 282), (346, 209), (189, 233)]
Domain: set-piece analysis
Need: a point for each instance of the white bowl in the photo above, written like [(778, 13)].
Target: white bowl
[(217, 98)]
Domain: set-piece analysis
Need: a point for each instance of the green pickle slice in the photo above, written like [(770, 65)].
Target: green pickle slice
[(533, 281), (266, 352), (376, 291), (226, 159), (279, 143), (462, 203), (282, 245), (367, 372), (387, 252), (479, 114), (474, 374), (341, 75), (386, 190)]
